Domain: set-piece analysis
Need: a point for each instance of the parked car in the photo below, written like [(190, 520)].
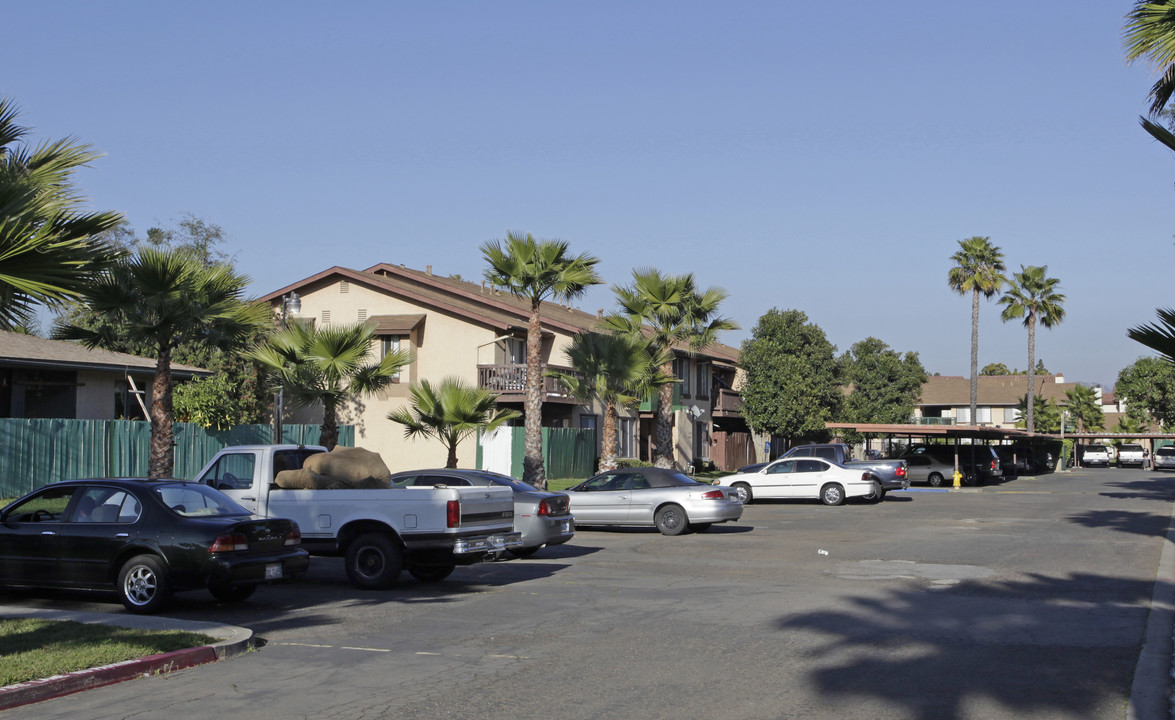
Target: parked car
[(925, 468), (1095, 455), (1131, 455), (543, 518), (804, 478), (752, 467), (890, 473), (669, 500), (1015, 460), (977, 463), (144, 539), (1164, 458)]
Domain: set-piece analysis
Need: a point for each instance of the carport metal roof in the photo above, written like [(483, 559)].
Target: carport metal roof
[(980, 432)]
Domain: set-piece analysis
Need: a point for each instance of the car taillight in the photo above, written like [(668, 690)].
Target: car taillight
[(994, 465), (229, 543), (453, 513), (294, 537), (545, 508), (900, 472), (713, 495)]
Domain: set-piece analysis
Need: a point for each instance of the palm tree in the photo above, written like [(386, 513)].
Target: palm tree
[(1084, 407), (616, 370), (161, 299), (450, 412), (979, 270), (1033, 296), (48, 247), (537, 270), (328, 366), (1150, 34), (1159, 336), (670, 311)]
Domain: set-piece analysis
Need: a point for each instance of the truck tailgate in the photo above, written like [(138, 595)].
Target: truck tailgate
[(486, 506)]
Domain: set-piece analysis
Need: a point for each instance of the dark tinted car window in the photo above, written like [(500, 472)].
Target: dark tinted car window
[(192, 500), (47, 506), (810, 466), (783, 466)]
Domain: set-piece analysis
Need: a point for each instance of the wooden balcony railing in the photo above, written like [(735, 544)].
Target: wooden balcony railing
[(728, 403), (510, 380)]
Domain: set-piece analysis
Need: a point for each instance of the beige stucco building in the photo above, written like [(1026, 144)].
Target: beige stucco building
[(478, 334)]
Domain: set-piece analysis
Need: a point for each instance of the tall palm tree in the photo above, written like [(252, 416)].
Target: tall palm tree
[(670, 311), (616, 370), (450, 412), (48, 247), (537, 270), (1033, 295), (979, 270), (161, 299), (1150, 34), (328, 366)]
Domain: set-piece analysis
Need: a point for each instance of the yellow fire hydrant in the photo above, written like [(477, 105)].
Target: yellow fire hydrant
[(958, 479)]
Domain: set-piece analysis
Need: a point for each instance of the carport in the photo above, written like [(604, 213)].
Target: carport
[(1147, 440), (953, 435)]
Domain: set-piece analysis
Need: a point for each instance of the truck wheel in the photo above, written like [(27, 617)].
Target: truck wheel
[(374, 561), (143, 585), (430, 573)]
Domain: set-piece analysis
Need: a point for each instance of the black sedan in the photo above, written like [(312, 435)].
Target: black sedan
[(145, 539)]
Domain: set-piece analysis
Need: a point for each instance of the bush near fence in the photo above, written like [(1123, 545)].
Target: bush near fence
[(35, 453)]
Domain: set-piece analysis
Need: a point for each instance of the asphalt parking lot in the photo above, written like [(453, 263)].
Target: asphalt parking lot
[(1028, 599)]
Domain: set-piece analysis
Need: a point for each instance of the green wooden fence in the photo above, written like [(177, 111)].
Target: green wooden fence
[(567, 452), (34, 453)]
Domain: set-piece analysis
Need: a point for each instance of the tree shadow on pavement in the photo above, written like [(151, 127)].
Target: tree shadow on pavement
[(1047, 645), (1135, 523), (1159, 488)]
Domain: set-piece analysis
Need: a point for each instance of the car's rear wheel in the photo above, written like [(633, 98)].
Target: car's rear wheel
[(832, 494), (524, 552), (430, 573), (143, 585), (671, 520), (374, 561), (743, 490), (232, 593), (936, 480)]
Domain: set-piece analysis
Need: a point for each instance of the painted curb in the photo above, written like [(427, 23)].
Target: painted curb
[(231, 641)]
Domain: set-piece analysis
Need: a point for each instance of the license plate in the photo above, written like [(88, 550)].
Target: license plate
[(273, 571)]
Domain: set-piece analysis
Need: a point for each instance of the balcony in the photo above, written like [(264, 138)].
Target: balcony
[(727, 404), (509, 382)]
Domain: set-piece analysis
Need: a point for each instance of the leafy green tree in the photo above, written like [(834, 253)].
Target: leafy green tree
[(670, 311), (450, 412), (163, 299), (995, 369), (617, 370), (49, 247), (1085, 408), (793, 384), (1148, 386), (537, 270), (236, 393), (327, 366), (1033, 295), (885, 384), (1130, 424), (978, 270)]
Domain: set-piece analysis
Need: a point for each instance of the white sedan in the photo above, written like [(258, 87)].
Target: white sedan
[(803, 478)]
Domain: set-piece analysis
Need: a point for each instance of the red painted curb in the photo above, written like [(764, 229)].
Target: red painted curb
[(59, 685)]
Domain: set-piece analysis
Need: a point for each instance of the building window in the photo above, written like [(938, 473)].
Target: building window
[(389, 344), (515, 351), (681, 371), (702, 440), (625, 437), (704, 383), (587, 422)]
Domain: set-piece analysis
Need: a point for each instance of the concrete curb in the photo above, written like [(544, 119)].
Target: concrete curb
[(231, 640), (1150, 694)]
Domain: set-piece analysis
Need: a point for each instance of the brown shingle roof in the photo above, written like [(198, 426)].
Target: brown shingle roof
[(993, 390), (32, 351)]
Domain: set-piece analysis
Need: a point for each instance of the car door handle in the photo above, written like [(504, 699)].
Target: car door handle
[(48, 532), (128, 534), (253, 499)]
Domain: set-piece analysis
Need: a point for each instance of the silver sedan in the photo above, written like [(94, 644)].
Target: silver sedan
[(543, 518), (669, 500)]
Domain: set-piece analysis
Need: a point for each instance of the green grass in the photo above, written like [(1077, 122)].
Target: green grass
[(34, 648)]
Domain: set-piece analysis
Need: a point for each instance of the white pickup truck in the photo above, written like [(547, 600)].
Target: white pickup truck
[(379, 531)]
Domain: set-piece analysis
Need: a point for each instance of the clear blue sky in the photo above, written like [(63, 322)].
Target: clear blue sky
[(825, 157)]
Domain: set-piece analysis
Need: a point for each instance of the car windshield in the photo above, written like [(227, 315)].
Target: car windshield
[(1132, 448), (195, 500)]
